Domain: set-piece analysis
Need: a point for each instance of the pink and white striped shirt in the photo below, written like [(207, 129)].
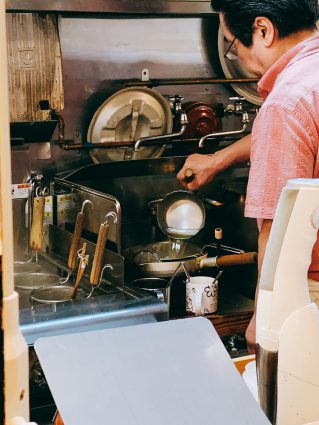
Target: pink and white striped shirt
[(285, 134)]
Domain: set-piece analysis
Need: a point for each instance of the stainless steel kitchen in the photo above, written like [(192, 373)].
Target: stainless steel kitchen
[(129, 268)]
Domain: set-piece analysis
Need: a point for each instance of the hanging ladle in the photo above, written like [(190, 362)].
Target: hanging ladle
[(61, 293), (76, 240), (97, 266)]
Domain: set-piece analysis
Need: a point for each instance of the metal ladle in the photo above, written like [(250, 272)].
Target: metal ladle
[(73, 254), (62, 293), (98, 269)]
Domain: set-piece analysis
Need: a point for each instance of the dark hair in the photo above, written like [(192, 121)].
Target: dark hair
[(288, 16)]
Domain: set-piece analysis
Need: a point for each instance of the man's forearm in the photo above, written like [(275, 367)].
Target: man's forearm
[(262, 244), (235, 153), (205, 167)]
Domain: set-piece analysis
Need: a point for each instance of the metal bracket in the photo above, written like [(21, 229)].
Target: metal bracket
[(145, 74)]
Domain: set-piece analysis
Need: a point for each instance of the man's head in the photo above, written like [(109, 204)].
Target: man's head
[(264, 29)]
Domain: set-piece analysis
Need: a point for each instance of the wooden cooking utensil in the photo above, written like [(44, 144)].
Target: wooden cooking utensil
[(98, 254), (228, 260), (84, 259), (97, 265), (77, 236), (36, 234)]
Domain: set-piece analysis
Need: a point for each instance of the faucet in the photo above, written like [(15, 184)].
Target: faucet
[(182, 119), (236, 109)]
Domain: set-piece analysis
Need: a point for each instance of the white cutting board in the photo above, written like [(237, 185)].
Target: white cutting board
[(165, 373)]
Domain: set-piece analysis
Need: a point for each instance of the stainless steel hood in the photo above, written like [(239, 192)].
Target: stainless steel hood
[(158, 7)]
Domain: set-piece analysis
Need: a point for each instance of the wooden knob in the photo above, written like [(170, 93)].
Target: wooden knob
[(218, 233), (189, 175), (36, 234)]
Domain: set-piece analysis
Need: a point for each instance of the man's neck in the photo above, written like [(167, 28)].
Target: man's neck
[(284, 44)]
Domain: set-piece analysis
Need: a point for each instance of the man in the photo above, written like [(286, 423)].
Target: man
[(277, 41)]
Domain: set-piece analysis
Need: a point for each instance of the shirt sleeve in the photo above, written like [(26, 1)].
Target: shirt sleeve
[(283, 147)]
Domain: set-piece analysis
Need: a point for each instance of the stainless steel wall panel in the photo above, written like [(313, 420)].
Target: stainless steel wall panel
[(98, 54), (113, 6), (34, 65)]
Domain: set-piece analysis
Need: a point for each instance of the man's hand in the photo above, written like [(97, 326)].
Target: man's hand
[(251, 335), (204, 168)]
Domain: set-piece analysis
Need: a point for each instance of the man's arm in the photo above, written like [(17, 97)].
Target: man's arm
[(262, 243), (205, 167)]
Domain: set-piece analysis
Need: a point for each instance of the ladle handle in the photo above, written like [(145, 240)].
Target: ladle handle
[(75, 240), (228, 260), (98, 254), (82, 265), (36, 234)]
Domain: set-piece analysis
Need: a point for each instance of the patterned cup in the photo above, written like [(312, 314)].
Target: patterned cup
[(201, 295)]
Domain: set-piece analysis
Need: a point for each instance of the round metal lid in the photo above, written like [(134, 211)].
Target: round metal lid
[(55, 294), (234, 69), (35, 280), (128, 115)]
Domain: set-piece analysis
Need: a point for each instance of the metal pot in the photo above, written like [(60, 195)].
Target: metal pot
[(158, 259), (157, 286), (35, 280), (151, 261), (54, 294)]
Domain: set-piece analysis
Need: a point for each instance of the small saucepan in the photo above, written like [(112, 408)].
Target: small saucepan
[(180, 214)]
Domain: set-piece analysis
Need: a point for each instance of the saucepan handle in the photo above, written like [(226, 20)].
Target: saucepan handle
[(228, 260), (159, 294)]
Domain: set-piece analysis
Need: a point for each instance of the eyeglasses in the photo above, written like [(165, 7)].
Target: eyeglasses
[(231, 52)]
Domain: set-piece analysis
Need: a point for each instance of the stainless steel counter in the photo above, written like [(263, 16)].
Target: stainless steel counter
[(112, 304), (100, 312)]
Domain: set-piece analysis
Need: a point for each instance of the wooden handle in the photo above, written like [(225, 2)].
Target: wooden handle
[(236, 259), (227, 260), (75, 240), (189, 175), (82, 264), (98, 254), (36, 234)]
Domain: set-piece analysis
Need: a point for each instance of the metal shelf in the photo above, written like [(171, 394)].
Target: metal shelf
[(113, 7)]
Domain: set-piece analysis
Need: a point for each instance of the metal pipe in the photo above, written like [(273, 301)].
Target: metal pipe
[(223, 133), (182, 120), (244, 120), (107, 145), (178, 82), (138, 143)]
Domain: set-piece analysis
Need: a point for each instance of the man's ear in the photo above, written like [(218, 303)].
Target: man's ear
[(265, 29)]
